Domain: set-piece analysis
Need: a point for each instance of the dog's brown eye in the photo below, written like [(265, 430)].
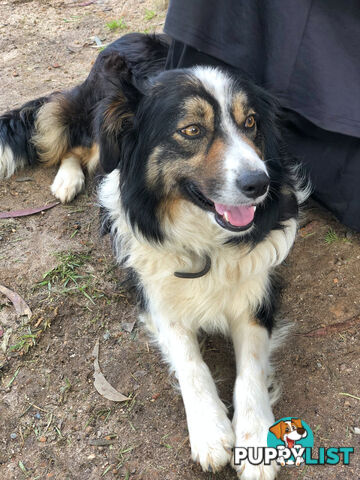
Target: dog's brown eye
[(250, 122), (191, 131)]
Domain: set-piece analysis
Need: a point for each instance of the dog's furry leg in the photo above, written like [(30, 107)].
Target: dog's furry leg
[(252, 409), (69, 180), (210, 430)]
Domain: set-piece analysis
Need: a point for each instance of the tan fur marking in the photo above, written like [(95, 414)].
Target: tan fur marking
[(197, 110), (215, 156), (88, 157), (238, 108), (116, 114), (51, 139), (153, 170), (170, 208), (247, 436)]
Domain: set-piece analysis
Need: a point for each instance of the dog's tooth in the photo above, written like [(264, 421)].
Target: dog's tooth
[(226, 216), (254, 208)]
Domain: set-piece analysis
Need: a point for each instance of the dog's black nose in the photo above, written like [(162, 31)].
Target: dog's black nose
[(253, 184), (300, 431)]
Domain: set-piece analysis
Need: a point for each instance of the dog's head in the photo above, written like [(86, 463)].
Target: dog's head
[(201, 136), (289, 431)]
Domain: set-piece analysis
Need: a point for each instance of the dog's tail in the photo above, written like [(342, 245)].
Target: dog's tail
[(44, 130), (16, 130)]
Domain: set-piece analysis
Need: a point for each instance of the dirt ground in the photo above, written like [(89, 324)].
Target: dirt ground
[(53, 423)]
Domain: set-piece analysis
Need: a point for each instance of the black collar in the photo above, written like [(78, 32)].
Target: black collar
[(203, 272)]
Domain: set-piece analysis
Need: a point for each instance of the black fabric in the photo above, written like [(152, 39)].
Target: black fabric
[(333, 162), (307, 54)]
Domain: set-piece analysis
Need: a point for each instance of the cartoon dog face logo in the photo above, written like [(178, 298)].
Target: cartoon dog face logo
[(289, 431)]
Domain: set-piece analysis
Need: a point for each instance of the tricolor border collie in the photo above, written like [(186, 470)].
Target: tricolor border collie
[(201, 200)]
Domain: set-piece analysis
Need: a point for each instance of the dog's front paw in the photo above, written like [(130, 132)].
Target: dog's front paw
[(68, 182), (212, 439), (251, 431), (247, 471)]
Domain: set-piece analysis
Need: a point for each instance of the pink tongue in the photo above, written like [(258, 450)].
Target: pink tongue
[(238, 216)]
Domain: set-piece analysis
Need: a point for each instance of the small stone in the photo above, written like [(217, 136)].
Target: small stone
[(91, 456), (42, 439), (128, 327), (357, 430), (13, 436), (106, 335), (38, 416)]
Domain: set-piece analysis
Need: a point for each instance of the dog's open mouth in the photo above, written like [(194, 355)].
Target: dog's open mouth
[(236, 218)]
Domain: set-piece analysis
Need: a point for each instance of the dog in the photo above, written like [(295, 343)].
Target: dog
[(201, 199), (289, 432)]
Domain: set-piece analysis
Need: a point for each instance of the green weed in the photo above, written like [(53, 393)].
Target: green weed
[(117, 24), (331, 237), (149, 14)]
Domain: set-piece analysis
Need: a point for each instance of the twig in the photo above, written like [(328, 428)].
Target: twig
[(349, 395), (13, 378)]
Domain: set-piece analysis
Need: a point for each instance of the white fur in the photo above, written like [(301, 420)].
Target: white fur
[(69, 180), (239, 157), (253, 415), (223, 300), (7, 162)]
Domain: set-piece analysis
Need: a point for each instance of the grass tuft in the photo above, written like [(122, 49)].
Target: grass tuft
[(149, 14), (331, 237), (117, 24), (67, 270)]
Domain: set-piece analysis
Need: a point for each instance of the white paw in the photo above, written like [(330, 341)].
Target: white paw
[(257, 472), (252, 431), (69, 181), (212, 439)]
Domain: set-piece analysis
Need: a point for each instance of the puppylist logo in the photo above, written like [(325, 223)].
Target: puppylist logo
[(290, 441)]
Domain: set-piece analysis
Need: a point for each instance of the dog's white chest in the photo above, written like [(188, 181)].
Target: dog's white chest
[(236, 283)]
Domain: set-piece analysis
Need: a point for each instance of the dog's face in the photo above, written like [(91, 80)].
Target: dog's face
[(209, 150), (197, 135)]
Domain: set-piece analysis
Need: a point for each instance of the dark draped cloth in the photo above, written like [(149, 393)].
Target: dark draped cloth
[(307, 53)]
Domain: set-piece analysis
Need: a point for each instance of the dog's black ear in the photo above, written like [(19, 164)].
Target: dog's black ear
[(117, 110)]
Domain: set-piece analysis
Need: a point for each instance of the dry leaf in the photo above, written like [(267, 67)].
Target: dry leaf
[(27, 211), (5, 340), (101, 384), (20, 306)]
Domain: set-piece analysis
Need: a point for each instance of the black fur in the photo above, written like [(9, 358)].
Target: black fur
[(266, 311)]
